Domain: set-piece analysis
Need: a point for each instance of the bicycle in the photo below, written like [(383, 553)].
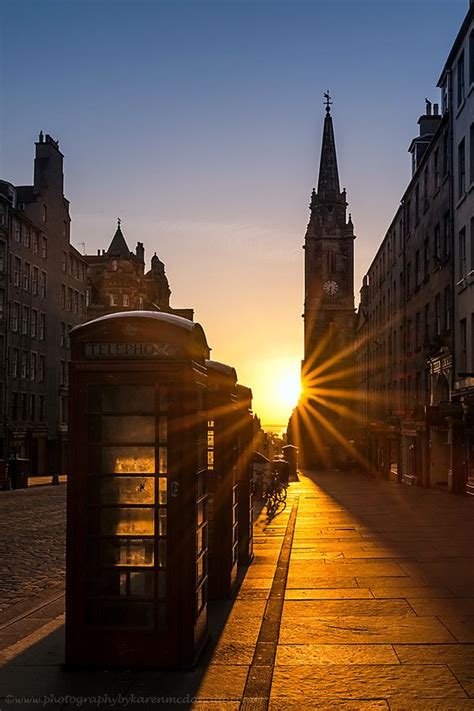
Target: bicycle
[(274, 496)]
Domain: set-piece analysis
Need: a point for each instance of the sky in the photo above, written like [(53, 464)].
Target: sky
[(199, 125)]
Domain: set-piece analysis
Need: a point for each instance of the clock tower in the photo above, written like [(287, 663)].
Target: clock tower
[(329, 318)]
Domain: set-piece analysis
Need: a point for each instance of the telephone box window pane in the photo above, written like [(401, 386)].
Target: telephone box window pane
[(128, 460), (162, 553), (128, 398), (162, 522), (163, 460), (128, 429), (162, 585), (123, 522), (163, 430), (200, 568), (140, 583), (210, 460), (127, 552), (163, 399), (162, 490), (128, 490)]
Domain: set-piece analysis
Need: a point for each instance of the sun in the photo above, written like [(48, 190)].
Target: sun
[(288, 388)]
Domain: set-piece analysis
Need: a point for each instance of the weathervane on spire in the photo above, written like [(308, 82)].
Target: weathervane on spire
[(328, 101), (119, 222)]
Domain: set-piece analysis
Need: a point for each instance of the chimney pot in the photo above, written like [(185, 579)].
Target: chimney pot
[(436, 107)]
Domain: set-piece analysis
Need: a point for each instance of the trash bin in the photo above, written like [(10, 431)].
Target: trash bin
[(290, 453), (282, 468), (18, 472), (136, 563)]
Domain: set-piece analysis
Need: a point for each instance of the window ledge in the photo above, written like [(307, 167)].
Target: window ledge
[(461, 285), (471, 187), (471, 89), (460, 107), (461, 200)]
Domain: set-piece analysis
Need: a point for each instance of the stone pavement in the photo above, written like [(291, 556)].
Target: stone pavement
[(361, 596), (32, 542)]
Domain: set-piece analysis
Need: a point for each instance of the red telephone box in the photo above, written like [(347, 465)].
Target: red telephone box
[(136, 572), (222, 480), (244, 469)]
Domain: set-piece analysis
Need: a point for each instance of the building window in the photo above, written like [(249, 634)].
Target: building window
[(44, 247), (24, 320), (41, 363), (69, 298), (446, 235), (463, 341), (15, 317), (34, 280), (425, 188), (81, 304), (462, 253), (2, 304), (26, 235), (417, 329), (75, 301), (35, 242), (408, 280), (42, 327), (16, 230), (472, 243), (63, 335), (417, 268), (24, 365), (471, 153), (2, 256), (437, 315), (16, 271), (43, 285), (33, 365), (33, 407), (427, 323), (41, 408), (460, 79), (126, 300), (140, 303), (114, 265), (64, 262), (26, 276), (445, 153), (88, 297), (113, 300), (426, 258), (63, 409), (407, 217), (471, 58), (417, 203), (15, 362), (436, 169), (34, 323), (45, 213), (15, 406), (461, 168), (447, 310)]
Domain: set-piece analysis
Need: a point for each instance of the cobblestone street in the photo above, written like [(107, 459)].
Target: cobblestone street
[(32, 534)]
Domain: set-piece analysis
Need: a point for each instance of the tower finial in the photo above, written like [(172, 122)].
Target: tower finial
[(328, 101), (119, 222)]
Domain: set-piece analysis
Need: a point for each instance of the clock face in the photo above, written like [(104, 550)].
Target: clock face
[(330, 287)]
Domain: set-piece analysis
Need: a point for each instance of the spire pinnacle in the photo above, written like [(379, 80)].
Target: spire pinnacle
[(328, 101), (328, 184)]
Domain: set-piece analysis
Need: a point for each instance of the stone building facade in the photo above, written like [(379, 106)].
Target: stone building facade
[(404, 341), (42, 296), (415, 329), (117, 281), (457, 90)]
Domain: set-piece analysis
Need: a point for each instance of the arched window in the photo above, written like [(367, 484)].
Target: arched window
[(331, 262)]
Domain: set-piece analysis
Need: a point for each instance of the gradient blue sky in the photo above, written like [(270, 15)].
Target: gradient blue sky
[(199, 124)]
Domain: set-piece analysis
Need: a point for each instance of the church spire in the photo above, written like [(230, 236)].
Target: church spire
[(328, 183)]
